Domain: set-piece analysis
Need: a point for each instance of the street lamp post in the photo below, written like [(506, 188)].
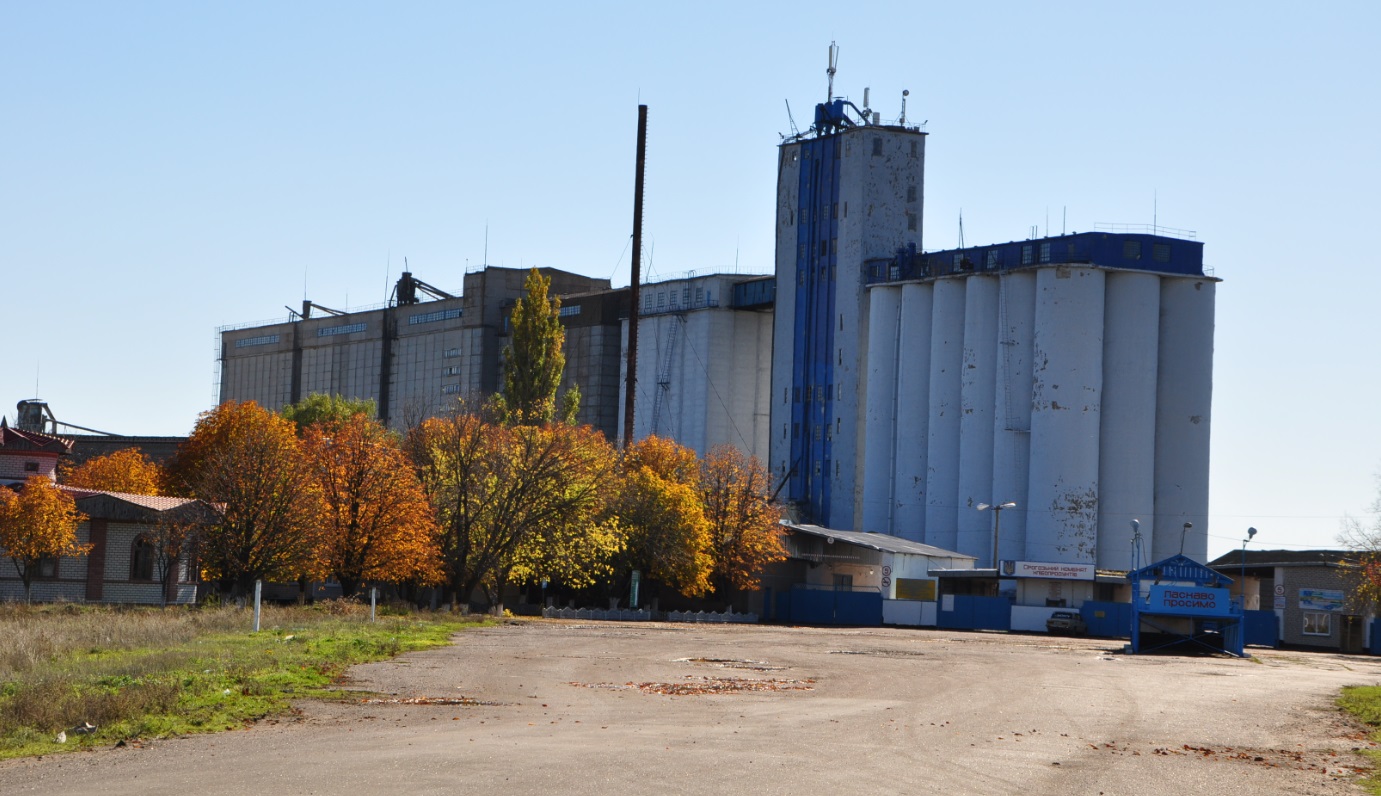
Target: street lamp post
[(1184, 531), (1242, 589), (997, 523)]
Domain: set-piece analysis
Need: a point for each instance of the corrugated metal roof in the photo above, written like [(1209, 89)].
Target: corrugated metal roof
[(876, 541)]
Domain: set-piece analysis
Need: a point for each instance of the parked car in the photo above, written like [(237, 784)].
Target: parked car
[(1066, 622)]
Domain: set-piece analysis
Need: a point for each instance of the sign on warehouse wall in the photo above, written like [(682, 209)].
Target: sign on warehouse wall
[(1040, 569), (1321, 599), (1188, 601)]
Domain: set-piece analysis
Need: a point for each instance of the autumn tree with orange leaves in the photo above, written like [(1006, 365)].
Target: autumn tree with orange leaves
[(659, 505), (125, 470), (743, 518), (248, 461), (377, 524), (38, 523)]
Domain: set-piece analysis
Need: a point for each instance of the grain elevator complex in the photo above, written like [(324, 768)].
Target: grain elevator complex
[(1065, 380)]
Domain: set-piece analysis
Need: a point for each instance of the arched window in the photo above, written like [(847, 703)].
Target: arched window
[(141, 559)]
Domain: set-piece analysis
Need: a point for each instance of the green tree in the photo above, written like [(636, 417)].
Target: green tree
[(38, 523), (535, 360), (334, 409)]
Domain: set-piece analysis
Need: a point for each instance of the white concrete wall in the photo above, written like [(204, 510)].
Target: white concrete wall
[(1067, 382), (1012, 410), (913, 412), (977, 395), (942, 458), (1127, 443), (880, 438), (1184, 396)]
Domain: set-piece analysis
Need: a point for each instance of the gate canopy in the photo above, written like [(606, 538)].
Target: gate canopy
[(1179, 601)]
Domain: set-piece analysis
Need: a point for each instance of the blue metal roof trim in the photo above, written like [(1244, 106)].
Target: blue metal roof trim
[(1136, 251), (1179, 569)]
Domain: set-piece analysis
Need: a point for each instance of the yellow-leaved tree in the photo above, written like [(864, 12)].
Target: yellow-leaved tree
[(658, 504), (499, 491), (377, 524), (126, 470), (38, 525)]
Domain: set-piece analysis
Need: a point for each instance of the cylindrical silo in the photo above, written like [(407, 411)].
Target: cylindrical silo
[(1126, 465), (976, 397), (1012, 413), (1184, 392), (913, 411), (1066, 394), (880, 407), (942, 456)]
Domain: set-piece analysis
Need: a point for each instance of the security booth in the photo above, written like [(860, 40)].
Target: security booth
[(1180, 602)]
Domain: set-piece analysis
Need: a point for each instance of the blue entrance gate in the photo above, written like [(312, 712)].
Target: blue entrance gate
[(826, 606), (1260, 628), (970, 612)]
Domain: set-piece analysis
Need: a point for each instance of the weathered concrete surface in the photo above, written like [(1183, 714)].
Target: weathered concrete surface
[(888, 710)]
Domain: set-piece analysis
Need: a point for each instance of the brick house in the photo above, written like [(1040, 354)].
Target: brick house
[(123, 565), (1309, 591)]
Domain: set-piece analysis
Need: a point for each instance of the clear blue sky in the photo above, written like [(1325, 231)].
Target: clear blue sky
[(168, 168)]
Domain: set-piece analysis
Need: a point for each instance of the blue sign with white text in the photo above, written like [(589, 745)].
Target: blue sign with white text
[(1189, 601)]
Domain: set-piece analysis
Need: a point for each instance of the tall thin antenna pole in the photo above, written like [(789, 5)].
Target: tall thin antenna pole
[(834, 61), (634, 301), (486, 243), (1155, 212)]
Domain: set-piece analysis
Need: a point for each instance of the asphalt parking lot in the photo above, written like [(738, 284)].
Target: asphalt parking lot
[(549, 707)]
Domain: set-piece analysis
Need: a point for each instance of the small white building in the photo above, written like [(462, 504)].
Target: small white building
[(899, 570)]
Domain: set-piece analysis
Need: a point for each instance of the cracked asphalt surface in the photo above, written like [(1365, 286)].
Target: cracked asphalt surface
[(544, 707)]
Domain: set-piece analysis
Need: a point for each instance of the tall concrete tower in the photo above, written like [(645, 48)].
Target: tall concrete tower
[(850, 189)]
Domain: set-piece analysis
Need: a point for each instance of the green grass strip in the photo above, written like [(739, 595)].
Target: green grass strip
[(1364, 702), (211, 681)]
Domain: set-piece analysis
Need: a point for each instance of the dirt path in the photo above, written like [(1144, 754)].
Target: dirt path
[(589, 708)]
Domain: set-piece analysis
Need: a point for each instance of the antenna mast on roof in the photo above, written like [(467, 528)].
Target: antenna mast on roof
[(834, 62)]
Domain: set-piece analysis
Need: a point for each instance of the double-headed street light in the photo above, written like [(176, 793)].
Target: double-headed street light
[(1242, 589), (997, 523)]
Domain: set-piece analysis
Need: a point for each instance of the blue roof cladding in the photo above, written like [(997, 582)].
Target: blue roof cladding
[(1139, 252)]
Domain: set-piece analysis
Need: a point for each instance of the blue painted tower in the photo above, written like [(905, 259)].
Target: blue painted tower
[(849, 190)]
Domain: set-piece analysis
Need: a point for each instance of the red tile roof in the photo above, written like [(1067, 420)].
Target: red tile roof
[(12, 439)]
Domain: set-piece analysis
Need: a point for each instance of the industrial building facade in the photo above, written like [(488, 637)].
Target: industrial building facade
[(704, 359), (1071, 376)]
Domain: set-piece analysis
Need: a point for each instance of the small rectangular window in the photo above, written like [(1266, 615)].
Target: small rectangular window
[(910, 222), (824, 248), (47, 567), (1160, 252), (958, 261), (1028, 253), (910, 193), (661, 300), (914, 149), (450, 389), (877, 146), (451, 352), (1045, 252), (1131, 249), (30, 467), (992, 260), (1318, 623), (834, 210)]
